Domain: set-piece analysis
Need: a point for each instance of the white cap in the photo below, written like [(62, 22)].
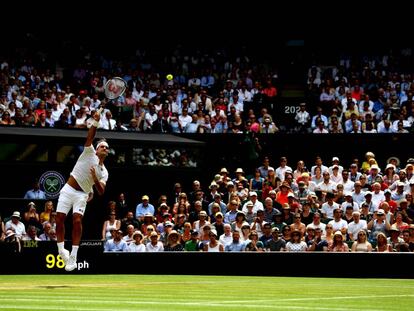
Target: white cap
[(335, 159)]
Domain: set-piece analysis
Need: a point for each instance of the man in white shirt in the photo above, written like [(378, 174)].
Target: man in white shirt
[(356, 225), (88, 172)]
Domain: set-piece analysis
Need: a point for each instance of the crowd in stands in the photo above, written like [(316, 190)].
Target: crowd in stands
[(360, 208), (326, 207), (360, 94), (210, 92)]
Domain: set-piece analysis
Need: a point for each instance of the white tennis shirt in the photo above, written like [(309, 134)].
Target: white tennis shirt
[(81, 171)]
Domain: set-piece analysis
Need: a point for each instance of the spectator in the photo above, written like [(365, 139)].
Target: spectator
[(361, 243), (117, 244), (35, 193), (136, 245)]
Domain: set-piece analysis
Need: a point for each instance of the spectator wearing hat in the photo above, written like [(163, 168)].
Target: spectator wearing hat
[(173, 242), (257, 205), (394, 239), (154, 245), (213, 244), (254, 244), (144, 208), (366, 165), (382, 245), (335, 161), (309, 184), (356, 225), (378, 224), (136, 246), (117, 244), (193, 244), (302, 193), (240, 179), (287, 214), (387, 210), (282, 194), (213, 192), (275, 244), (338, 244), (409, 168), (390, 175), (202, 219), (398, 193), (16, 225), (295, 243)]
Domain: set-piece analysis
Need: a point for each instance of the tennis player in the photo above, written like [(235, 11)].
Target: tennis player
[(89, 171)]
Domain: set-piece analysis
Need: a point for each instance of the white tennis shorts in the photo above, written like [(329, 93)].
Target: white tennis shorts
[(70, 197)]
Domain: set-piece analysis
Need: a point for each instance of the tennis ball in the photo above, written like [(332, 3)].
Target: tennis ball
[(169, 77)]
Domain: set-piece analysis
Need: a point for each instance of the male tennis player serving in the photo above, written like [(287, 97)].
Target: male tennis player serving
[(88, 171)]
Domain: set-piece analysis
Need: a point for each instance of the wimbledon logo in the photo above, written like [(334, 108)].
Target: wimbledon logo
[(51, 182)]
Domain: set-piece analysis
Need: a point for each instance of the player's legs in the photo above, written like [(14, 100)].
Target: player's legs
[(63, 207), (78, 210)]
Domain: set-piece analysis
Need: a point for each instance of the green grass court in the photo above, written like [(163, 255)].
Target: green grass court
[(172, 292)]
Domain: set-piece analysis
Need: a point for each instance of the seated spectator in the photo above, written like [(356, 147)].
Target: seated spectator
[(136, 245), (117, 244), (361, 243), (338, 244), (154, 245), (35, 193)]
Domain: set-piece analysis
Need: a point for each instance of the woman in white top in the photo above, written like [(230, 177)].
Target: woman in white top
[(111, 223), (361, 244), (296, 244), (213, 245), (136, 246)]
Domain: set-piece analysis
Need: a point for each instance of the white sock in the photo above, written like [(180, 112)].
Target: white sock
[(74, 252), (61, 247)]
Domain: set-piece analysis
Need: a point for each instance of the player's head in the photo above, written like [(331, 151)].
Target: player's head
[(102, 147)]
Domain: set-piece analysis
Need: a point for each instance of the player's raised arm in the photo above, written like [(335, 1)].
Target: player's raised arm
[(93, 128)]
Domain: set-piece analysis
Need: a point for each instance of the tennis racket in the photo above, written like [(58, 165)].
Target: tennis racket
[(113, 88)]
